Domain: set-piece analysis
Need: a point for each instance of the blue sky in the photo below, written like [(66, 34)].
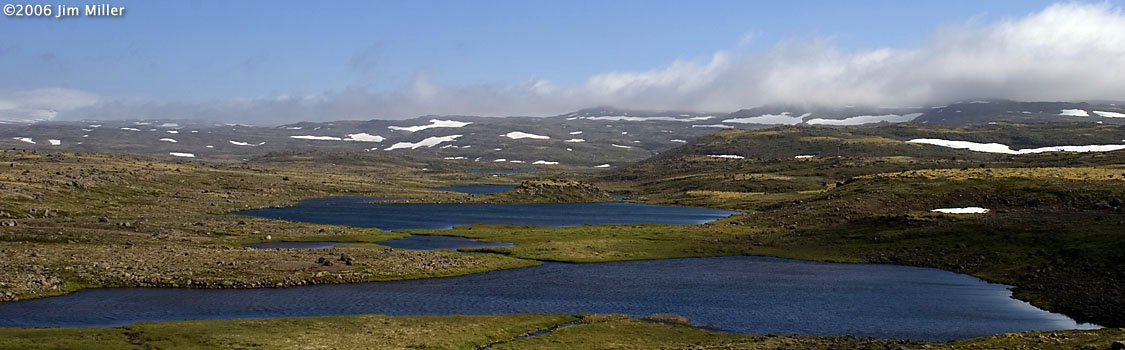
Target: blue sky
[(195, 52), (203, 50)]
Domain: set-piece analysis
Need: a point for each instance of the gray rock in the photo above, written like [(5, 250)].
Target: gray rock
[(1117, 345)]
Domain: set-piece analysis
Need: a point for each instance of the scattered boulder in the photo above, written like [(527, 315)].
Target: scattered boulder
[(1118, 345), (103, 219)]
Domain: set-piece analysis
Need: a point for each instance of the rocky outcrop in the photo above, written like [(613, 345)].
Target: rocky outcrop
[(556, 191)]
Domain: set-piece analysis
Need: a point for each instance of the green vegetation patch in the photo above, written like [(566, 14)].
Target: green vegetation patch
[(335, 332)]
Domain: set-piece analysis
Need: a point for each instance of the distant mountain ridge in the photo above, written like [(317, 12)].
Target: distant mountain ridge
[(593, 137)]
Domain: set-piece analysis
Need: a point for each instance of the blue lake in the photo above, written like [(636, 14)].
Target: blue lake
[(756, 295), (362, 212), (739, 294)]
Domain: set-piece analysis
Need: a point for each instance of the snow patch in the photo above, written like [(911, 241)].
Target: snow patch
[(805, 156), (364, 137), (712, 126), (173, 132), (620, 146), (680, 141), (427, 142), (1074, 113), (1110, 114), (455, 158), (516, 135), (603, 166), (321, 138), (965, 210), (434, 123), (575, 140), (240, 143), (576, 133), (1002, 148), (24, 139), (54, 142), (644, 119), (130, 129), (729, 156), (181, 154), (543, 162), (866, 119), (168, 140), (784, 118)]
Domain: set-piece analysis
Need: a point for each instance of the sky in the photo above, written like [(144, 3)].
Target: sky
[(273, 62)]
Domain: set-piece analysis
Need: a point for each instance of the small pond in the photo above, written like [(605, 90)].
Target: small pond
[(362, 212)]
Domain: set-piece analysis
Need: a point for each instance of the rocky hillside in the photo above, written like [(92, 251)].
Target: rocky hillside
[(597, 138)]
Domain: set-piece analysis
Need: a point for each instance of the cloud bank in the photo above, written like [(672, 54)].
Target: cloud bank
[(1067, 52)]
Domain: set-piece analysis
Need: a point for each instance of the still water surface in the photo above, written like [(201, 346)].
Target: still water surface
[(740, 294)]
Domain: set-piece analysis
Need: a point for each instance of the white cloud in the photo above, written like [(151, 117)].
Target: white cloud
[(1065, 52), (43, 104)]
